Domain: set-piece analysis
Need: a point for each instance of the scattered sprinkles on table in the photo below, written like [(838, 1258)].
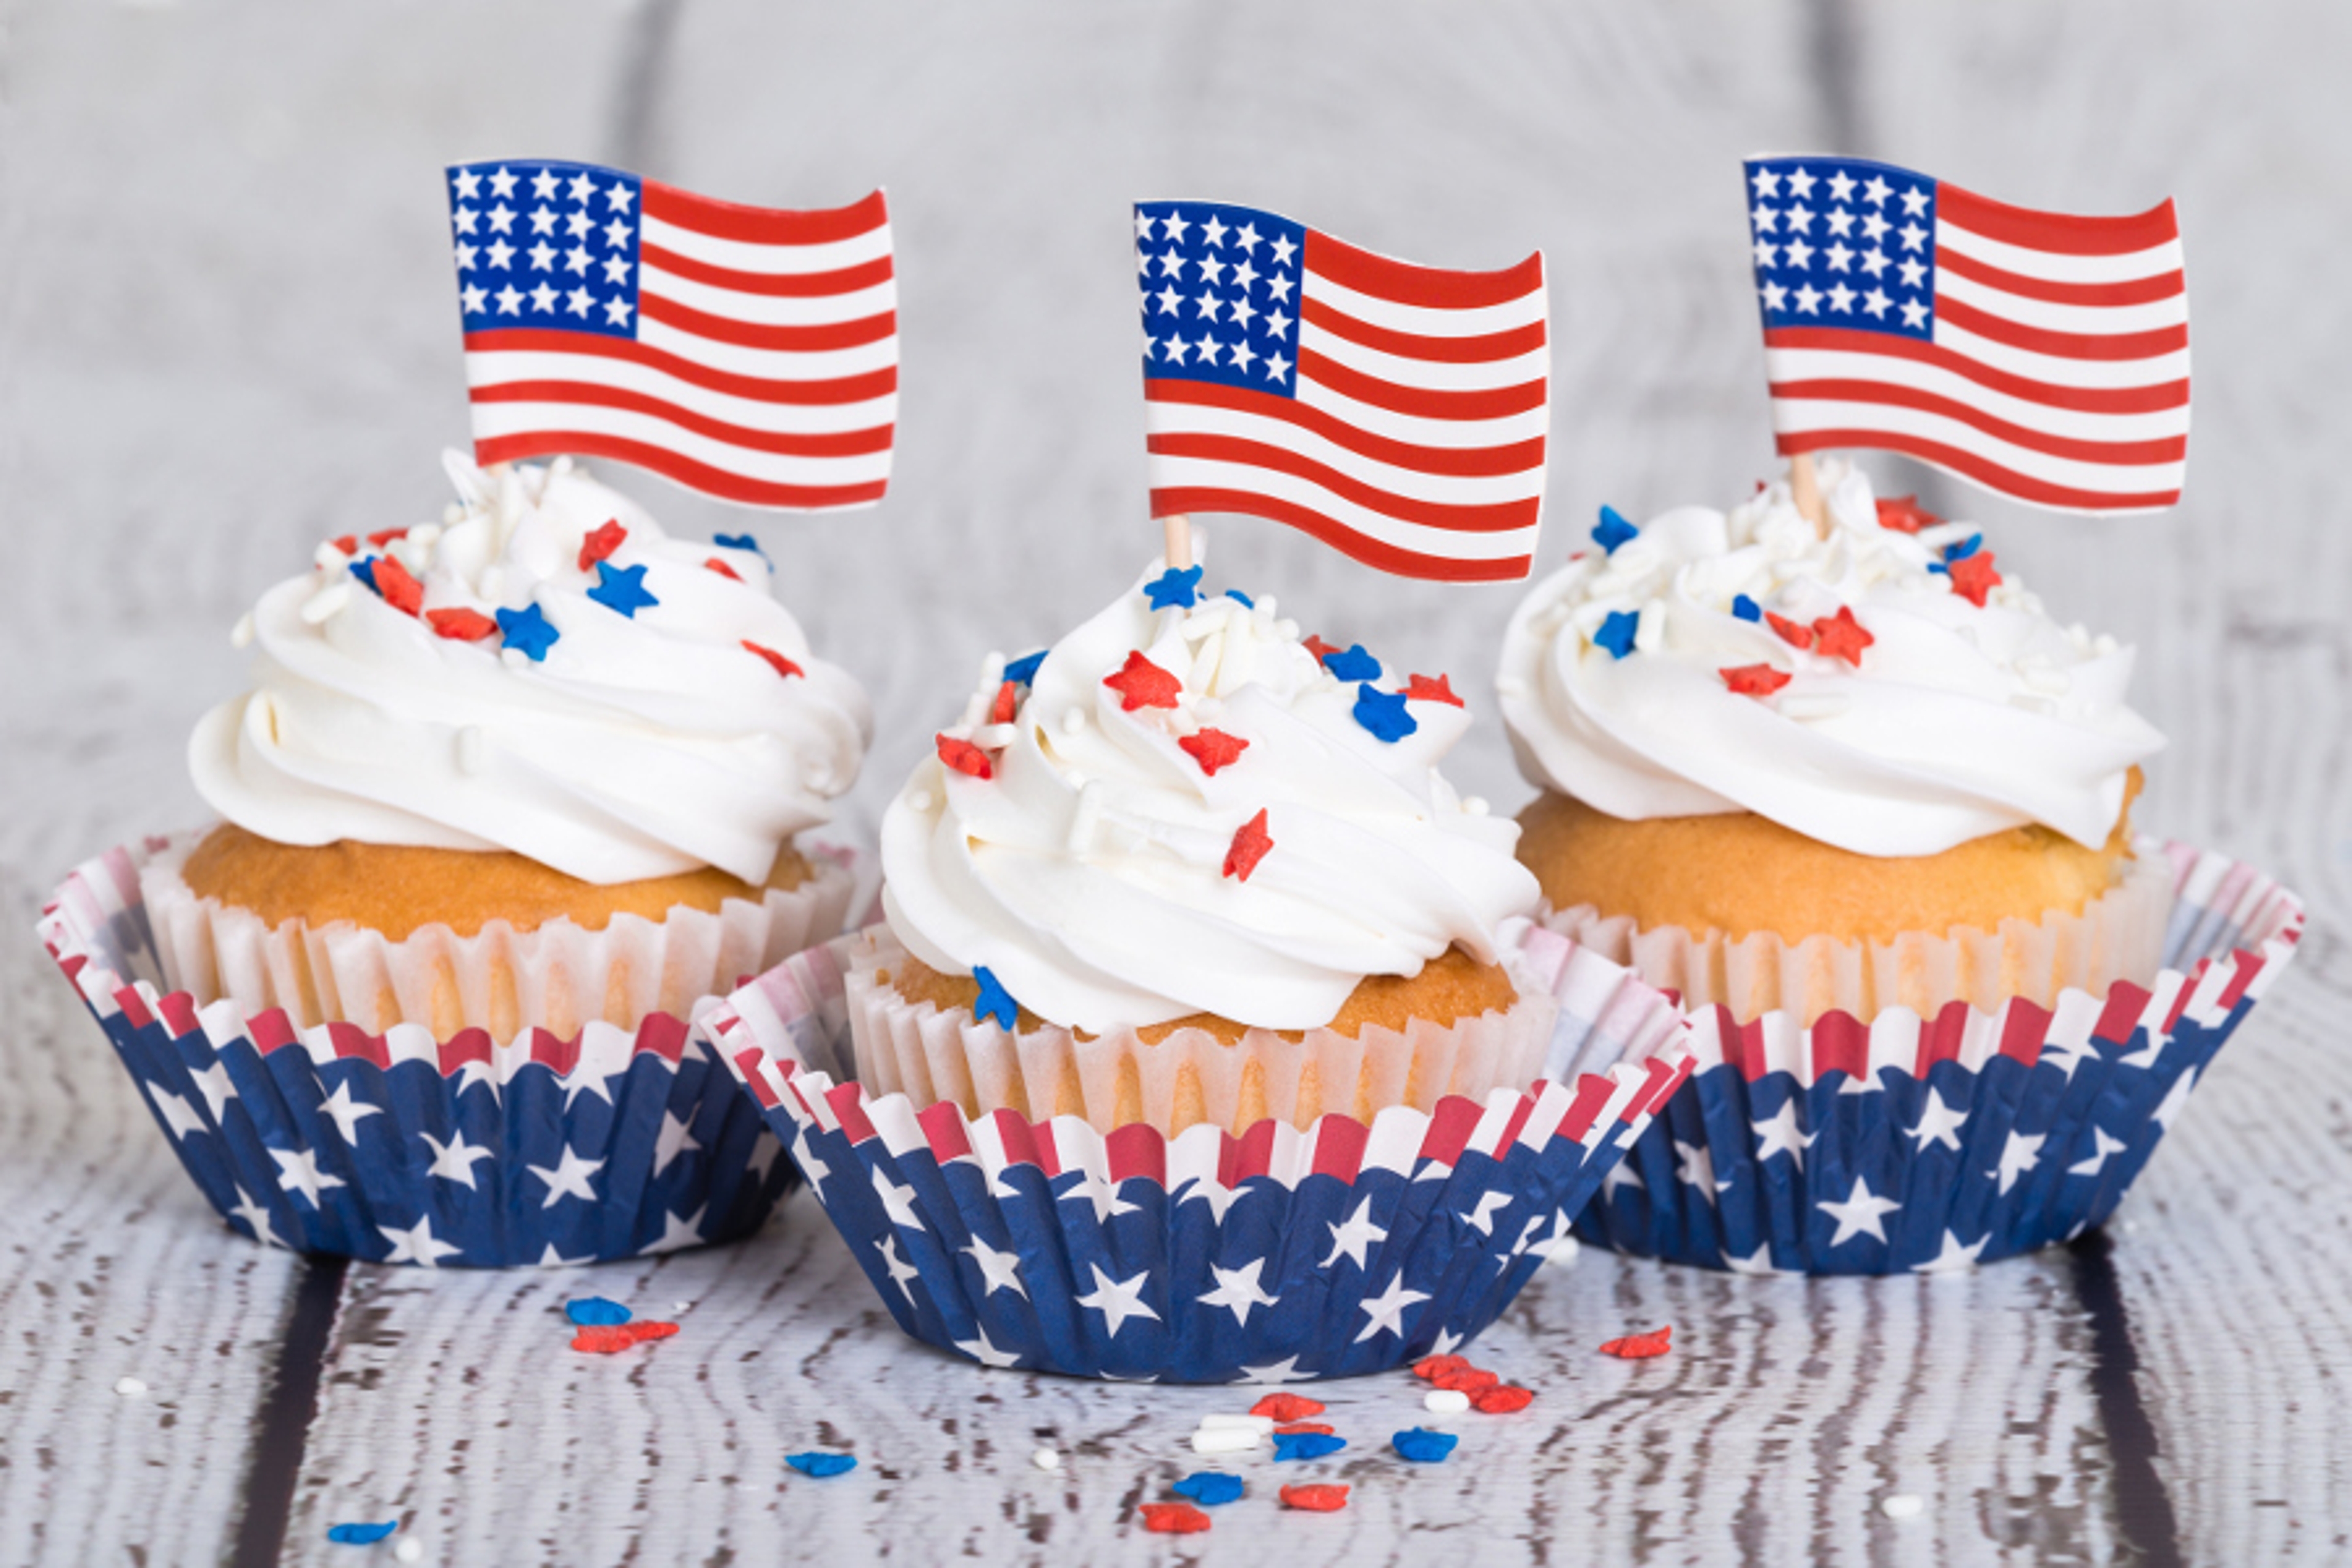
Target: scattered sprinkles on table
[(1209, 1488), (1285, 1406), (819, 1463), (1420, 1446), (360, 1534), (596, 1311), (610, 1339), (1307, 1445), (1319, 1498), (1639, 1347), (1173, 1519)]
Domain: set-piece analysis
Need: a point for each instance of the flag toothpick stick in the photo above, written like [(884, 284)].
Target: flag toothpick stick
[(1805, 486), (1178, 530)]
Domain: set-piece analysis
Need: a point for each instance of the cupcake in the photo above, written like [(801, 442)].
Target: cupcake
[(1182, 921), (1854, 796), (515, 790)]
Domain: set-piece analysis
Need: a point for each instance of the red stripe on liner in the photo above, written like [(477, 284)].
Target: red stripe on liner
[(2249, 965), (1450, 1126), (2024, 1030), (1340, 1147), (2063, 233), (2162, 449), (1491, 517), (352, 1042), (943, 1130), (2134, 292), (1476, 462), (1137, 1149), (1983, 470), (685, 470), (752, 335), (2081, 399), (763, 225), (825, 390), (1190, 499), (774, 285), (1476, 350), (1406, 283), (662, 1034), (1491, 403), (2120, 1017), (1593, 1092), (2104, 347), (1840, 1044), (829, 444)]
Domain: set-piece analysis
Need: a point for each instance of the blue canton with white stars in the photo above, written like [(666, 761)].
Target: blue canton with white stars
[(1843, 242), (1221, 290), (546, 245)]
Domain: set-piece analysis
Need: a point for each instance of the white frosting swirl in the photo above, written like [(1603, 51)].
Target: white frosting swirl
[(642, 744), (1959, 719), (1086, 874)]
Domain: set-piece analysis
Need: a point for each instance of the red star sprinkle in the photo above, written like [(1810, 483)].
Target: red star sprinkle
[(1008, 701), (1212, 749), (1973, 577), (776, 661), (1903, 514), (349, 543), (1318, 648), (1143, 684), (1288, 1407), (463, 625), (716, 564), (605, 1338), (401, 590), (1754, 679), (1841, 636), (1794, 633), (1432, 1365), (1465, 1379), (385, 536), (1323, 1499), (965, 758), (1641, 1347), (1297, 1427), (1249, 844), (601, 543), (1424, 688), (1501, 1401), (1173, 1519)]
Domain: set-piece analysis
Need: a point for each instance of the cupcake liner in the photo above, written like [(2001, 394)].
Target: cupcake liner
[(1114, 1078), (399, 1147), (1923, 1144), (1278, 1255), (2118, 934), (556, 978)]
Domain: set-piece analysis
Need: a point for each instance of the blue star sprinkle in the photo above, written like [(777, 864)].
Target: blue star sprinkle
[(1174, 590), (527, 632), (1613, 530), (621, 588), (1616, 633), (1209, 1487), (1024, 669), (360, 1534), (1307, 1445), (739, 542), (1384, 712), (994, 1001), (595, 1311), (1746, 608), (822, 1465), (1352, 663), (1246, 601), (1966, 548), (1423, 1447), (365, 572)]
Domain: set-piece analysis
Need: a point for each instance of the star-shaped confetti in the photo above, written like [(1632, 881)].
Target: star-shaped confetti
[(622, 589), (1007, 703), (1212, 749), (1641, 1347), (1973, 577), (964, 757), (1251, 841), (1024, 669), (1383, 713), (716, 564), (1613, 530), (1745, 608), (737, 542), (527, 632), (776, 661), (1431, 688), (1754, 679), (1796, 634), (1143, 684), (993, 1001), (1616, 632), (1841, 636), (1351, 663), (599, 545), (460, 625), (1903, 514), (1209, 1488), (1174, 590)]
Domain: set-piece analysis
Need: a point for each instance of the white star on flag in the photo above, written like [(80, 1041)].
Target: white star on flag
[(178, 1115), (2102, 1146), (1118, 1300), (569, 1178), (454, 1161), (1938, 1123), (2020, 1154), (673, 1140), (987, 1354), (417, 1244), (1861, 1213), (1002, 1270), (1387, 1310), (1352, 1238), (1778, 1134), (297, 1172), (1238, 1289)]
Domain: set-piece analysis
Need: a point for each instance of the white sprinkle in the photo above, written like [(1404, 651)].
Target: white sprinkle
[(470, 751), (1084, 819), (1227, 1440), (410, 1551), (991, 672), (1046, 1459), (129, 1387), (918, 800), (1903, 1505), (1073, 720), (1285, 631), (328, 558), (241, 634), (1811, 705), (1221, 1422), (1475, 805), (1650, 631), (1446, 1402), (993, 737), (326, 602), (1510, 686)]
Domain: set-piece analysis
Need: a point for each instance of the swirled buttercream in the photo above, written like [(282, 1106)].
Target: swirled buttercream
[(1186, 810), (544, 671), (1961, 710)]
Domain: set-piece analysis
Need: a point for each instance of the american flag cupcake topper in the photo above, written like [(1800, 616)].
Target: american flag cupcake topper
[(748, 353)]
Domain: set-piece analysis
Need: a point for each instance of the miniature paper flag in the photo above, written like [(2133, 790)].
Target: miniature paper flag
[(748, 353), (1395, 412), (2043, 355)]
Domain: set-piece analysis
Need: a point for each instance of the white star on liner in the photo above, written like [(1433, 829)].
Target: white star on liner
[(1938, 1123), (346, 1113), (1561, 1246), (1766, 255), (1862, 1212), (1759, 1262), (1002, 1270), (1276, 325), (1841, 299), (213, 1083), (575, 260), (815, 1169), (1622, 1174), (2019, 1154), (1800, 218), (1167, 303), (1447, 1343), (616, 234), (178, 1115), (1212, 1191), (1276, 367), (1840, 258), (616, 312), (1118, 1300), (1840, 224), (1778, 1134), (1102, 1193), (1874, 262), (1483, 1219), (551, 1258), (417, 1244), (1212, 271), (1694, 1167), (674, 1139), (895, 1200), (1238, 1289), (1764, 217), (987, 1354), (1283, 1371), (764, 1150), (1776, 298), (901, 1270), (1800, 255), (465, 257), (2102, 1147), (1915, 273), (2067, 1054), (255, 1217), (1874, 228), (1876, 302), (1243, 275), (678, 1231), (1953, 1258), (569, 1178), (1809, 300), (579, 225), (297, 1172), (1278, 288), (454, 1161), (1174, 225), (578, 301), (1387, 1310), (584, 1079), (1205, 305), (478, 1070), (510, 300), (1351, 1238)]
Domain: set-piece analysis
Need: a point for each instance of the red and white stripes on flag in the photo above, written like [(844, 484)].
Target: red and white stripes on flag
[(1396, 412), (2043, 355), (748, 353)]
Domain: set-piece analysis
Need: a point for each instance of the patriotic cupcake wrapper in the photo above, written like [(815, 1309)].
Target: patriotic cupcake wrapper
[(1280, 1256), (400, 1148), (1911, 1144)]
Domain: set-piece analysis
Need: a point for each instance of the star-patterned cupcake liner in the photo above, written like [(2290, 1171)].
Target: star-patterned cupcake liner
[(1917, 1145), (400, 1148), (1280, 1256)]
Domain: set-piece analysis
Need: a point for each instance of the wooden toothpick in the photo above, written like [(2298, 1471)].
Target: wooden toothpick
[(1178, 529), (1805, 487)]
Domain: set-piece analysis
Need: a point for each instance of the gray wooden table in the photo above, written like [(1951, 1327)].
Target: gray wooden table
[(226, 331)]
